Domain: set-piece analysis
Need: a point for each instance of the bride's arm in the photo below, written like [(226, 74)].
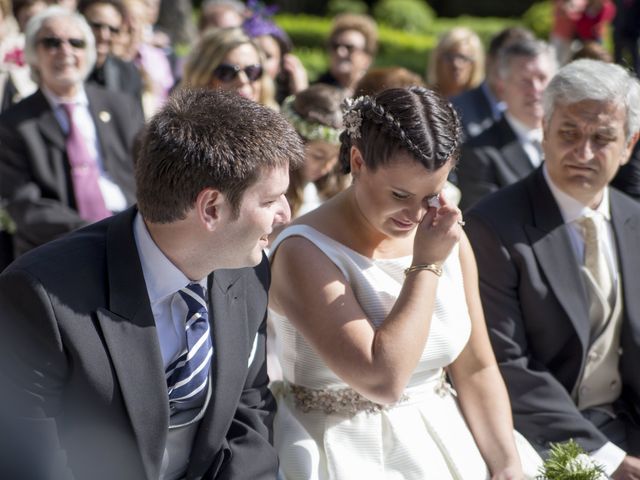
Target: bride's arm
[(314, 295), (481, 391)]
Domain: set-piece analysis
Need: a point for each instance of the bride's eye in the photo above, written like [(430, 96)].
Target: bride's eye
[(399, 196)]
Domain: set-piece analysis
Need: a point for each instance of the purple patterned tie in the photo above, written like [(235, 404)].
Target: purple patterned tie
[(84, 173)]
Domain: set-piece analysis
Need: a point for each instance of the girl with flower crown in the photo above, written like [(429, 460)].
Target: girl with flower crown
[(387, 368)]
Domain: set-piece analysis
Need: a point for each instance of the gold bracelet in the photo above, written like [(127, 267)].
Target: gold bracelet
[(432, 267)]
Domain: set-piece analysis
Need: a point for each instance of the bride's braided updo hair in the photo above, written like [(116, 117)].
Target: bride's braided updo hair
[(414, 119)]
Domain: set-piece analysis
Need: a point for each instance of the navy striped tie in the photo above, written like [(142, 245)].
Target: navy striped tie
[(188, 375)]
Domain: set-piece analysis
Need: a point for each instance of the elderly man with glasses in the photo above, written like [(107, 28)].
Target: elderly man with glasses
[(66, 155), (113, 73)]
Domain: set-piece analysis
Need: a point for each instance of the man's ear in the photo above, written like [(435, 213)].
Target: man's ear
[(210, 205)]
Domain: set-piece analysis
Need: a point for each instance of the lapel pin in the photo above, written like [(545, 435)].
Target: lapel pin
[(104, 116)]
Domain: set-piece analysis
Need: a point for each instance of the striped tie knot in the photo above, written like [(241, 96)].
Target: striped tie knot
[(188, 375)]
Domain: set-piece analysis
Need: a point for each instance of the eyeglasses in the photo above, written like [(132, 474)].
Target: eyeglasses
[(53, 43), (350, 48), (226, 72), (102, 26)]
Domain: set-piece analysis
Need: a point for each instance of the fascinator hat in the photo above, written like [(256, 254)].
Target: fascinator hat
[(260, 24)]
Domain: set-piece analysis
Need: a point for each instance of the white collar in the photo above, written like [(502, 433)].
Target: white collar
[(54, 100), (570, 208), (162, 277), (523, 132)]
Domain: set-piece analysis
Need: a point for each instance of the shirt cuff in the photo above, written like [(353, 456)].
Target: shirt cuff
[(609, 456)]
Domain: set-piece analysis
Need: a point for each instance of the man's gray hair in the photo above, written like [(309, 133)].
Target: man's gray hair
[(36, 23), (236, 5), (524, 47), (595, 80)]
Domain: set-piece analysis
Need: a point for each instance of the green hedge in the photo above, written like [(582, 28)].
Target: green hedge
[(396, 47)]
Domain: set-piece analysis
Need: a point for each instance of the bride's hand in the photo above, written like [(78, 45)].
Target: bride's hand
[(509, 473), (437, 233)]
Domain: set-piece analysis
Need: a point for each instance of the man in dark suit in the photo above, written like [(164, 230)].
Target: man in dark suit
[(36, 169), (106, 18), (480, 107), (558, 261), (510, 148), (93, 324)]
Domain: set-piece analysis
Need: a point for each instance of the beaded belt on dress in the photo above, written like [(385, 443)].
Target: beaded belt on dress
[(346, 400)]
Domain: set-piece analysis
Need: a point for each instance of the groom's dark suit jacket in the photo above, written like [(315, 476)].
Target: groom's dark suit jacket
[(78, 332), (536, 308)]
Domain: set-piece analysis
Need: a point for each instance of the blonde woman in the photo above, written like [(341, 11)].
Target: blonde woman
[(457, 63), (227, 59)]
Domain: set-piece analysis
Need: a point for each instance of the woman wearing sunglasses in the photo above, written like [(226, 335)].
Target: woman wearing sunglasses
[(228, 59)]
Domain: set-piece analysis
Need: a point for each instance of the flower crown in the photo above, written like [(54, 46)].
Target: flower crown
[(352, 115), (306, 129)]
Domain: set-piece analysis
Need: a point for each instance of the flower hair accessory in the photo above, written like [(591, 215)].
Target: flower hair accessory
[(353, 116), (306, 129)]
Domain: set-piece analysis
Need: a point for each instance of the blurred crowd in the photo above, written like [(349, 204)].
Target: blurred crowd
[(145, 49)]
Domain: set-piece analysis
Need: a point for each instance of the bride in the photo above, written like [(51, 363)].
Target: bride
[(387, 368)]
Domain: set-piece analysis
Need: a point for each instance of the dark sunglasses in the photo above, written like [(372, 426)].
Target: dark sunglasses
[(335, 46), (51, 43), (226, 72), (101, 26)]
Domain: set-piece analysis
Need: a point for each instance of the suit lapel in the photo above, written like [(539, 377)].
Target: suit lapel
[(227, 303), (517, 159), (130, 334), (51, 131), (47, 121), (552, 247), (101, 119), (626, 226), (111, 74)]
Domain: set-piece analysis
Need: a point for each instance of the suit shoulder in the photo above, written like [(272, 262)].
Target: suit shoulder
[(624, 201), (26, 109), (508, 206), (79, 254)]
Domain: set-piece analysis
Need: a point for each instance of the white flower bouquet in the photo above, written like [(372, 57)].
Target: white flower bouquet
[(568, 461)]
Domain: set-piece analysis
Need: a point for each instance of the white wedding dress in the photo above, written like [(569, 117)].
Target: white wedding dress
[(324, 430)]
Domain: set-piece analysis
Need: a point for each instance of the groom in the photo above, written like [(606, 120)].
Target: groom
[(128, 349)]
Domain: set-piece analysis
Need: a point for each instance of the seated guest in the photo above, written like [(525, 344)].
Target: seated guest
[(627, 179), (457, 63), (227, 59), (510, 149), (152, 61), (284, 68), (134, 349), (316, 115), (16, 82), (66, 150), (385, 300), (105, 18), (480, 107), (592, 50), (382, 78), (352, 45), (221, 14), (558, 261)]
